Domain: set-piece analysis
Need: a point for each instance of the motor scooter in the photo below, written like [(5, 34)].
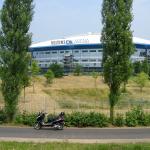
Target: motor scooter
[(56, 123)]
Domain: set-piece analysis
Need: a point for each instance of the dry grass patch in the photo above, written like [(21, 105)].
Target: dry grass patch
[(78, 93), (73, 82)]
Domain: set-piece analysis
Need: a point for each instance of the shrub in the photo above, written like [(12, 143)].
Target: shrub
[(146, 120), (141, 80), (57, 69), (99, 120), (142, 118), (18, 119), (26, 119), (76, 119), (137, 117), (119, 120), (3, 116), (80, 119), (49, 76), (131, 120), (77, 70)]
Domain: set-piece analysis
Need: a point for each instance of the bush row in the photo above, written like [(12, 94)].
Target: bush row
[(25, 119), (3, 117), (135, 117), (80, 119)]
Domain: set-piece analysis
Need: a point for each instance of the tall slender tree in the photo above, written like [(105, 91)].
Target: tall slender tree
[(117, 46), (15, 39), (35, 69)]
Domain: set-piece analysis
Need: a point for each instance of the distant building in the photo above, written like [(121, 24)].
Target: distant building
[(85, 50)]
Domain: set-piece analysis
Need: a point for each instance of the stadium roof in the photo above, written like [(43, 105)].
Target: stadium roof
[(82, 39)]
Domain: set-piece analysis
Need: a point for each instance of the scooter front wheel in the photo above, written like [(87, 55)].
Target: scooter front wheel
[(60, 126), (37, 126)]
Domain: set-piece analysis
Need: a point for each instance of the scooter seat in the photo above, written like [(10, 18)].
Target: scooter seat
[(51, 119)]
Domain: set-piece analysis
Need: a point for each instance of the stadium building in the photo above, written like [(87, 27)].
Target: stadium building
[(85, 50)]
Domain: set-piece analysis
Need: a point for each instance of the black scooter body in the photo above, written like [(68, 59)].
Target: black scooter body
[(56, 123)]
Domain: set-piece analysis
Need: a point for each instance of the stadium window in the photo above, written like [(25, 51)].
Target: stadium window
[(54, 61), (76, 51), (41, 52), (75, 60), (143, 54), (84, 51), (99, 50), (54, 52), (47, 61), (61, 51), (93, 60), (84, 60), (92, 51), (47, 52)]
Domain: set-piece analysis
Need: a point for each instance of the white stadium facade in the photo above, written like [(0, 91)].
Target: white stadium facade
[(85, 50)]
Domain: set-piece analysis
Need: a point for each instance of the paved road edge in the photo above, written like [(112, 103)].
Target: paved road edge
[(84, 141), (27, 127)]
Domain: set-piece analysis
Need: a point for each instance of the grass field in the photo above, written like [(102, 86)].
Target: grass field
[(79, 93), (66, 146)]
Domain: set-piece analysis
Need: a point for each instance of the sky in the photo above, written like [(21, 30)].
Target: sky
[(59, 18)]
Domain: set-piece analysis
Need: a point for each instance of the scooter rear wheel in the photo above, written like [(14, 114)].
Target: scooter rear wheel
[(37, 126)]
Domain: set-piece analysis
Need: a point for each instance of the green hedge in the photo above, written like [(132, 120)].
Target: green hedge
[(119, 120), (81, 119), (135, 117), (25, 119), (75, 119), (3, 116)]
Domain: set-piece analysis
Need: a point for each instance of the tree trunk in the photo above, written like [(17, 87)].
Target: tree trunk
[(124, 87), (33, 88), (95, 84), (24, 93), (141, 89), (112, 114)]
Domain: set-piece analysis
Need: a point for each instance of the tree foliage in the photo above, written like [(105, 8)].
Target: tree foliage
[(137, 67), (146, 66), (141, 80), (77, 70), (35, 69), (141, 66), (57, 70), (49, 76), (117, 46), (14, 43)]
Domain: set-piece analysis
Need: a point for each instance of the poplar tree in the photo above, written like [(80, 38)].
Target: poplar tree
[(15, 40), (35, 69), (117, 46)]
